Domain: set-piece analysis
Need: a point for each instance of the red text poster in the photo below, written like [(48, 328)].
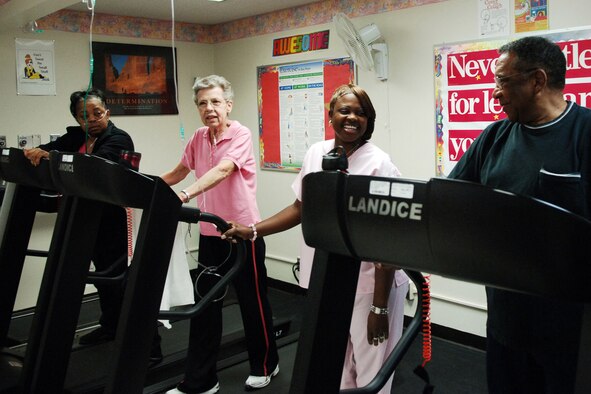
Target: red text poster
[(464, 83)]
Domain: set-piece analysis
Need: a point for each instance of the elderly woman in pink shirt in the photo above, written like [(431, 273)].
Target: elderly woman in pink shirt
[(221, 155)]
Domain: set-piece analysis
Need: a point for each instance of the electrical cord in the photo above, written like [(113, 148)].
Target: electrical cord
[(174, 76), (90, 5)]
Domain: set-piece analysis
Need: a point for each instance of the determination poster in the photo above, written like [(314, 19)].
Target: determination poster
[(293, 102), (464, 83)]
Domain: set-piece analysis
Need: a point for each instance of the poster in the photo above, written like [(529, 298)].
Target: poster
[(464, 84), (531, 15), (494, 17), (35, 70), (293, 104), (136, 79)]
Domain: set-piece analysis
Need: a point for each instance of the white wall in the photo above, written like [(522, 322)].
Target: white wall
[(405, 125), (404, 128), (156, 137)]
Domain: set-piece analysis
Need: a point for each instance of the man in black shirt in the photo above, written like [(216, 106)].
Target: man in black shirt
[(542, 150)]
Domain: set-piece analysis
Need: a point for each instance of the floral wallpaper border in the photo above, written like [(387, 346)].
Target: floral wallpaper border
[(288, 19)]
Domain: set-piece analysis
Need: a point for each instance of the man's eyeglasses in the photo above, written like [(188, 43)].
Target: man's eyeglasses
[(501, 81), (216, 103)]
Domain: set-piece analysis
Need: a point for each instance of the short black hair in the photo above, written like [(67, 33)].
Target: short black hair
[(365, 102), (538, 52), (81, 95)]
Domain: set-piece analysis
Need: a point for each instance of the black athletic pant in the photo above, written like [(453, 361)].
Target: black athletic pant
[(511, 371), (110, 253), (206, 328)]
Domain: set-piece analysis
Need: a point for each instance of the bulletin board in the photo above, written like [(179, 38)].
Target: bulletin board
[(293, 102), (464, 83)]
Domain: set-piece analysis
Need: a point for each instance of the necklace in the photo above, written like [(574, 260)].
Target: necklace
[(354, 149)]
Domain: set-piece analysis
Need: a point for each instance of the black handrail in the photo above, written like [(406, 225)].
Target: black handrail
[(414, 327), (193, 215), (37, 253), (187, 215), (106, 277)]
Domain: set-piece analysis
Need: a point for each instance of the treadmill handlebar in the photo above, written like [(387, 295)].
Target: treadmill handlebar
[(403, 344), (213, 293), (194, 215)]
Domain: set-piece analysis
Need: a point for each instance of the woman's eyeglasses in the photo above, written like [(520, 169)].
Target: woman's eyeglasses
[(215, 103), (97, 116)]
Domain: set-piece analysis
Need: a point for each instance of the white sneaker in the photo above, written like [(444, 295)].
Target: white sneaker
[(258, 382), (212, 390)]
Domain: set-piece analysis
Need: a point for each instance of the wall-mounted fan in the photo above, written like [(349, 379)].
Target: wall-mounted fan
[(362, 46)]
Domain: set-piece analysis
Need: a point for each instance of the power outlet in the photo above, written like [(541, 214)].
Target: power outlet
[(28, 141), (25, 141)]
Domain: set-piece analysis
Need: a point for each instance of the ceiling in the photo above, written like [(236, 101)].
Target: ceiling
[(203, 12)]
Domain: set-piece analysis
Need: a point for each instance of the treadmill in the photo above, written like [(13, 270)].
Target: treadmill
[(417, 226), (48, 352), (17, 214)]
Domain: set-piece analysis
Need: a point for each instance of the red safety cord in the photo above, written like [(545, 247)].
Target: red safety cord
[(426, 333), (129, 213)]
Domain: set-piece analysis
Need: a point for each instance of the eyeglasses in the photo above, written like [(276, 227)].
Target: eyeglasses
[(216, 103), (501, 81), (97, 116)]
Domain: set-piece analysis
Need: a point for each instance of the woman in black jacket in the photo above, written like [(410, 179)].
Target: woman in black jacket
[(97, 135)]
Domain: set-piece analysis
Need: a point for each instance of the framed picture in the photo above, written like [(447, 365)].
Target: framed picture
[(136, 79)]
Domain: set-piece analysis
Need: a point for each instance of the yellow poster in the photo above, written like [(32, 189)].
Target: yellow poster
[(531, 15)]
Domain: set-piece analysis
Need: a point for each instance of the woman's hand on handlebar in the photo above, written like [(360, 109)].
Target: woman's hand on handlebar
[(35, 155), (237, 230)]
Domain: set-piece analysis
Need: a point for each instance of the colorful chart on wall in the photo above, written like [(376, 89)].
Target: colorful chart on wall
[(293, 104), (464, 84)]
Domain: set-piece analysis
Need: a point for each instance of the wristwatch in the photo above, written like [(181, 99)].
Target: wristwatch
[(378, 311)]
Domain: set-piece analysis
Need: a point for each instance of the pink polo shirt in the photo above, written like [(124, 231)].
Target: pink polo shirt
[(235, 197)]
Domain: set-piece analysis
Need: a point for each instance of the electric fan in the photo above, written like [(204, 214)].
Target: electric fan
[(362, 46)]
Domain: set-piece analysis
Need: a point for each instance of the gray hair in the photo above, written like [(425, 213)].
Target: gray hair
[(213, 81)]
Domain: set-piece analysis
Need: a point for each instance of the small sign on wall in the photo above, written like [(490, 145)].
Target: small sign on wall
[(301, 43), (531, 15), (35, 74)]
